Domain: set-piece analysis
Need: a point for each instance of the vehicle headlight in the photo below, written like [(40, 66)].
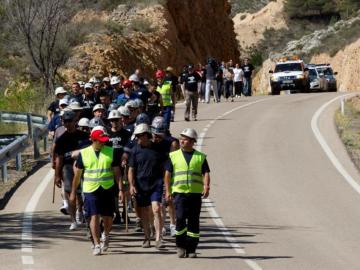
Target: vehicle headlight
[(274, 79), (300, 76)]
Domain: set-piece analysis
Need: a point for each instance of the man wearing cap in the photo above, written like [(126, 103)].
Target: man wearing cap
[(55, 121), (99, 112), (54, 108), (191, 80), (164, 87), (187, 180), (146, 182), (100, 168), (71, 140)]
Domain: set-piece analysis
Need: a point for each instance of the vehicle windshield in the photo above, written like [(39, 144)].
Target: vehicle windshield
[(327, 71), (312, 72), (288, 67)]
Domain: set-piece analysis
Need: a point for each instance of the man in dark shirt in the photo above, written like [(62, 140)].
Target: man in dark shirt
[(76, 94), (54, 108), (191, 92), (146, 181), (89, 101), (248, 69), (71, 140)]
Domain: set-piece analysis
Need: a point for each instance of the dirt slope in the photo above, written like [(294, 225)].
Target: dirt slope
[(249, 28)]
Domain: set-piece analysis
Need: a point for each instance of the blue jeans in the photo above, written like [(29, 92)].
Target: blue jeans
[(228, 89), (167, 115), (247, 87)]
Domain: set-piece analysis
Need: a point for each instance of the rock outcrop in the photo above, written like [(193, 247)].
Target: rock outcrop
[(181, 32)]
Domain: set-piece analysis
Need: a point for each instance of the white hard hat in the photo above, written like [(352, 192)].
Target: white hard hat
[(84, 122), (98, 107), (106, 79), (94, 80), (114, 80), (134, 78), (123, 110), (64, 101), (75, 106), (142, 128), (60, 90), (102, 128), (81, 83), (146, 82), (189, 132), (114, 114), (132, 104), (88, 85), (139, 102)]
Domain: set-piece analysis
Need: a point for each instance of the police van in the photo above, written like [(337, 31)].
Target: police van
[(289, 74)]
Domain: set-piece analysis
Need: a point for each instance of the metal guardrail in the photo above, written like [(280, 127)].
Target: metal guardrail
[(37, 130)]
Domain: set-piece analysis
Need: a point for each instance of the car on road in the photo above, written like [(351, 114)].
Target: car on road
[(289, 74), (322, 77), (327, 76)]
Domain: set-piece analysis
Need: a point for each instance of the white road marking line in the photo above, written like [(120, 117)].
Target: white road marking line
[(330, 154), (26, 236), (210, 207), (27, 260)]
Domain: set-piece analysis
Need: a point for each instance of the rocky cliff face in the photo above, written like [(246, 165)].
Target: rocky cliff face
[(182, 32)]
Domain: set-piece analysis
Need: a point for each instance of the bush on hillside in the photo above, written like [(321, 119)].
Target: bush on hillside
[(321, 8), (141, 25)]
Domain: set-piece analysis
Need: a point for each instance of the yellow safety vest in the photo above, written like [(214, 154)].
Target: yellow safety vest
[(97, 170), (187, 178), (165, 91)]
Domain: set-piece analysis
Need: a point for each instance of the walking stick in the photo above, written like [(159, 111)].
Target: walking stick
[(53, 194), (126, 202)]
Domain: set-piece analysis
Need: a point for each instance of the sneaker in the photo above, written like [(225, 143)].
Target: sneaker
[(146, 243), (73, 226), (163, 231), (117, 219), (194, 118), (64, 210), (192, 255), (181, 252), (159, 244), (187, 119), (105, 243), (79, 217), (232, 99), (172, 230), (97, 250), (138, 226)]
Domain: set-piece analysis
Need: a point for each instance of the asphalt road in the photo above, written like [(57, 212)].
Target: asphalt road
[(276, 201)]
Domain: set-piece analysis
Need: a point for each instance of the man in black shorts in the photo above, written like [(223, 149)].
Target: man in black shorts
[(101, 171), (146, 181), (71, 140)]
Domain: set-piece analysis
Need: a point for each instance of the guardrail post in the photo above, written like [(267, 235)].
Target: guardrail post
[(18, 162), (36, 144), (4, 174), (45, 143), (30, 125)]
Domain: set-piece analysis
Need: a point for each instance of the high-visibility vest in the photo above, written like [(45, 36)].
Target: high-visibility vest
[(97, 170), (187, 178), (165, 91)]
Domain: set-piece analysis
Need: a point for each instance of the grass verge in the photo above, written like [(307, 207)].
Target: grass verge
[(348, 126)]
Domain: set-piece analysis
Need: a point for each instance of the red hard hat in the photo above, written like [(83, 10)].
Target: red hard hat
[(127, 83), (159, 74)]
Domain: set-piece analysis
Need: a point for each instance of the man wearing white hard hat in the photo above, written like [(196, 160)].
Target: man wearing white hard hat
[(89, 100), (146, 182), (118, 139), (54, 108), (187, 181)]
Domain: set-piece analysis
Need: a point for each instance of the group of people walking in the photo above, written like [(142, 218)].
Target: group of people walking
[(112, 149)]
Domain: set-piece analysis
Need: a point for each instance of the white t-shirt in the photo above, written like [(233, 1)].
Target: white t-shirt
[(238, 75)]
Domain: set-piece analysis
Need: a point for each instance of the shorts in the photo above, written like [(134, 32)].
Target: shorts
[(144, 198), (68, 176), (100, 202)]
